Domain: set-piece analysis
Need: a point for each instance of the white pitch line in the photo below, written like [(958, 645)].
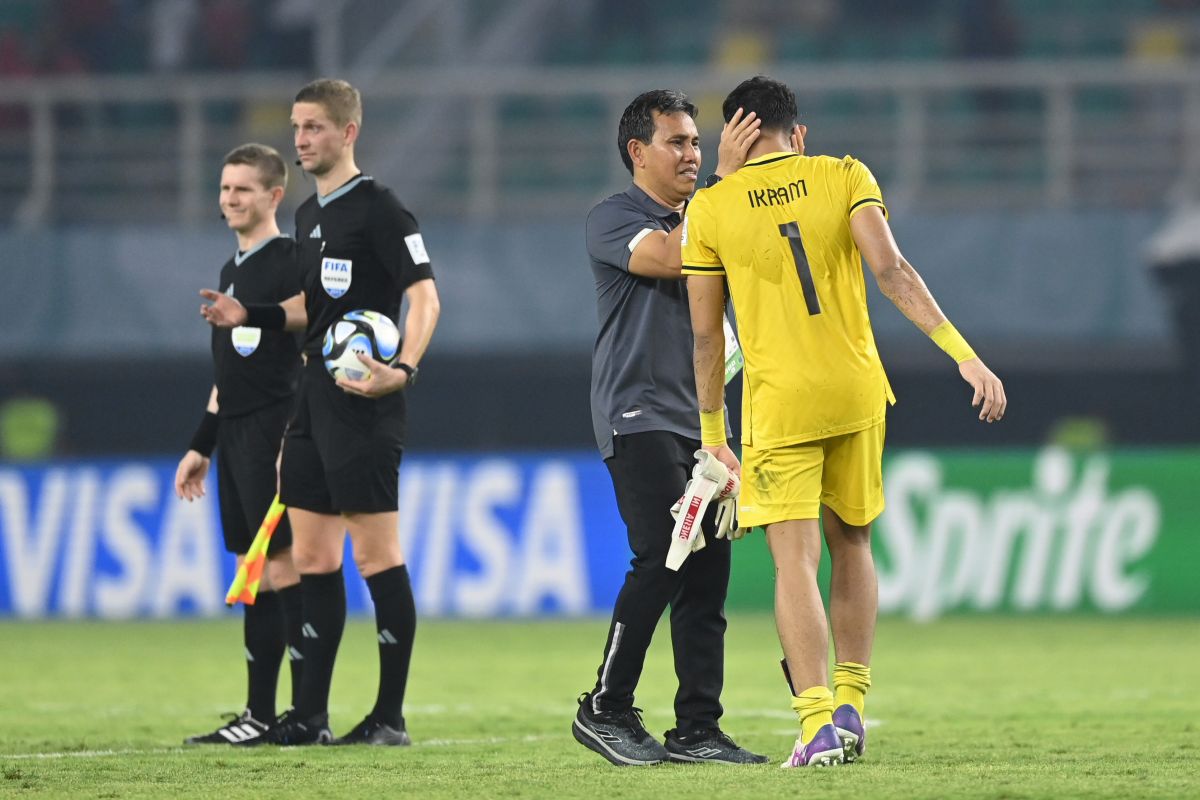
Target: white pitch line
[(87, 754), (164, 750)]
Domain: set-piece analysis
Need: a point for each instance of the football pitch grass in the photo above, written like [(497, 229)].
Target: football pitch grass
[(965, 707)]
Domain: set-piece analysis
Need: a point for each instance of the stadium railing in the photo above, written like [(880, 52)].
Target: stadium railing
[(536, 142)]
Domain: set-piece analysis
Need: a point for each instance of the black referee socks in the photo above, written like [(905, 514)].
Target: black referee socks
[(324, 621), (263, 636), (396, 624), (293, 612)]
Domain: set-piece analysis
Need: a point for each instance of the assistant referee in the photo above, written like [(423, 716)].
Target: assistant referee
[(255, 374)]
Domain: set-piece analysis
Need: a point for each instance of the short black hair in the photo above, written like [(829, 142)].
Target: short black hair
[(771, 101), (637, 122)]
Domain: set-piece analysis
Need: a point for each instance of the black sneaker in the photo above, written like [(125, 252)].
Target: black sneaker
[(290, 731), (619, 736), (238, 729), (372, 731), (709, 746)]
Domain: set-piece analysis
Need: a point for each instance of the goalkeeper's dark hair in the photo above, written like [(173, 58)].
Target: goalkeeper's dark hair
[(771, 101), (637, 122), (264, 158)]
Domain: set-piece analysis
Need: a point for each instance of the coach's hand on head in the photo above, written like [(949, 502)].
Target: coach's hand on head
[(383, 379), (737, 137), (223, 311)]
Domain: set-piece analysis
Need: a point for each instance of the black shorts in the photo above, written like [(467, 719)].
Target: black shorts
[(342, 452), (247, 447)]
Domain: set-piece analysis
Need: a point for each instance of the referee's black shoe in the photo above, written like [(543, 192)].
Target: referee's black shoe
[(238, 729), (709, 746), (619, 736), (290, 731), (372, 731)]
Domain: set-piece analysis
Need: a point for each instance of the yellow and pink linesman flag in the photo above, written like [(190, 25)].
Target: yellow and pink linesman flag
[(249, 574)]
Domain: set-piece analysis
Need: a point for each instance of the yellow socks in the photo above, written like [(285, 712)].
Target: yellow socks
[(815, 708), (850, 684)]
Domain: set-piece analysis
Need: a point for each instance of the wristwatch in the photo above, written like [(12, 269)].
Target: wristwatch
[(409, 370), (712, 180)]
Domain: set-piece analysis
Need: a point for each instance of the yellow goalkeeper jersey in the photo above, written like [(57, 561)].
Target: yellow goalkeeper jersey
[(778, 229)]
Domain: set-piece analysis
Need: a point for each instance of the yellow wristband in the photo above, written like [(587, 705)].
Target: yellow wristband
[(947, 337), (712, 428)]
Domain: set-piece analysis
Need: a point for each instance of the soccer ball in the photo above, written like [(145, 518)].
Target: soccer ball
[(366, 332)]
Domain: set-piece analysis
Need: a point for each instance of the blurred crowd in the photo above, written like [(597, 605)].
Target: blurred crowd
[(52, 37), (70, 37)]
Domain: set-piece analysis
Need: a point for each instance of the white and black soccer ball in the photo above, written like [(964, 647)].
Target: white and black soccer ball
[(361, 331)]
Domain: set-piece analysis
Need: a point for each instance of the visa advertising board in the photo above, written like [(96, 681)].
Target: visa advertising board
[(539, 534)]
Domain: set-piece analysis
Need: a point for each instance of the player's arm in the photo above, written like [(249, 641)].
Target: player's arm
[(901, 284), (224, 311), (706, 298), (295, 314), (424, 308), (193, 467)]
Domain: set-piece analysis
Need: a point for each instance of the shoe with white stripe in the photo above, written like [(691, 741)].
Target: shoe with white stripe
[(711, 746), (292, 731), (239, 729), (619, 736)]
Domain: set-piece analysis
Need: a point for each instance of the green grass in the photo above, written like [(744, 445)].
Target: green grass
[(966, 707)]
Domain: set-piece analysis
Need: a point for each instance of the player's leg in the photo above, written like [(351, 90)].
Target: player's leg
[(318, 534), (280, 574), (284, 581), (262, 637), (781, 490), (362, 442), (698, 645), (648, 475), (698, 635), (251, 457), (852, 498), (317, 553), (376, 542)]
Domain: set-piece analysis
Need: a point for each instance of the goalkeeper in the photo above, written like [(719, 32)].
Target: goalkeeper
[(646, 424), (255, 374)]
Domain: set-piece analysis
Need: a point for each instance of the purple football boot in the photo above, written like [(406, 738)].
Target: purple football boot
[(852, 731), (824, 750)]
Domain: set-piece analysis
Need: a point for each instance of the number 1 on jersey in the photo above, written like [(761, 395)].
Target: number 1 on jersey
[(791, 230)]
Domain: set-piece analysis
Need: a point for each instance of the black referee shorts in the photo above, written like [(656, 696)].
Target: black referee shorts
[(342, 452), (247, 447)]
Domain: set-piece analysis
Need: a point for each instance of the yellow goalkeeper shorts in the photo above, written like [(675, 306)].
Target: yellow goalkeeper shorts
[(843, 472)]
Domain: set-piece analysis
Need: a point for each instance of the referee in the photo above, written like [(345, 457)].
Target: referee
[(647, 428), (255, 373), (359, 248)]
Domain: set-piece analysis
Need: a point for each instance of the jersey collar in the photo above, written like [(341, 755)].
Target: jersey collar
[(648, 203), (770, 157), (324, 200), (239, 256)]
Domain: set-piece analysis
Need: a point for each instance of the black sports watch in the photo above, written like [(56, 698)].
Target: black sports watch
[(712, 180), (409, 370)]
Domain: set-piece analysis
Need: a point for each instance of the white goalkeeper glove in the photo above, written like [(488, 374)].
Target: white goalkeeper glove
[(710, 480)]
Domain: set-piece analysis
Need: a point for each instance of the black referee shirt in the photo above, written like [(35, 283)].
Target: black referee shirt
[(254, 368), (359, 248)]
